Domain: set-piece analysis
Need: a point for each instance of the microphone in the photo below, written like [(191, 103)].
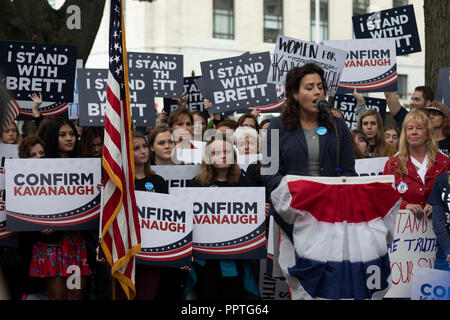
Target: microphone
[(323, 106)]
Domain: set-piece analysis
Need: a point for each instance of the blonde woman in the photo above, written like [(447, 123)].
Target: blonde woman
[(417, 163), (371, 124)]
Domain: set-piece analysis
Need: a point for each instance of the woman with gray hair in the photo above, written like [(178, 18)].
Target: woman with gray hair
[(246, 140)]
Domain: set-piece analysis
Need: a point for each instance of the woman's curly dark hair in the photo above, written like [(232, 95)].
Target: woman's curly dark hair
[(291, 109)]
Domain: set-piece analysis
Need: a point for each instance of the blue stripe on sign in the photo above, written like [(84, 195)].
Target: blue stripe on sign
[(342, 280)]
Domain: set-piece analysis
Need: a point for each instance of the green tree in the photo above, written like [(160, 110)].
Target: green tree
[(437, 31)]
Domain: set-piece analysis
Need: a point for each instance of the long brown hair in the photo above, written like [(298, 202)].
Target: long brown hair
[(380, 142), (147, 168), (208, 175), (291, 109), (403, 150), (152, 137)]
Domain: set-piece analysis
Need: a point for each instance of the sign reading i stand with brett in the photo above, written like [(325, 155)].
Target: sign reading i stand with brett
[(397, 23), (38, 67), (92, 97), (167, 71), (238, 83)]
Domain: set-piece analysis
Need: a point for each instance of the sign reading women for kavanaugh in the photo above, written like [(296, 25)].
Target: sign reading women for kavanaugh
[(371, 65), (92, 97), (56, 193), (166, 230), (397, 23), (38, 67), (291, 52), (348, 106), (167, 71), (229, 223), (238, 83)]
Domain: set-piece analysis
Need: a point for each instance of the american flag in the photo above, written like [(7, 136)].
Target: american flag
[(121, 239), (9, 109)]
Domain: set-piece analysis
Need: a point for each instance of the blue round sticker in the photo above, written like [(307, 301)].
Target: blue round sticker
[(149, 186), (321, 131), (402, 187)]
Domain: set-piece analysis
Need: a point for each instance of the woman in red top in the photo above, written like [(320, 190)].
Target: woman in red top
[(417, 164)]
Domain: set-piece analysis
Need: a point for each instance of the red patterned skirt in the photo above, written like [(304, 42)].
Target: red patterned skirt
[(53, 259)]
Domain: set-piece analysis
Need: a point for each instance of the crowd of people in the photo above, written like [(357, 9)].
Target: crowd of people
[(311, 142)]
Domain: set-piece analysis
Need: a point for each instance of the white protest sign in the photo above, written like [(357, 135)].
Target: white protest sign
[(229, 222), (7, 151), (57, 193), (166, 229), (291, 52), (414, 245), (370, 166), (430, 284), (192, 155), (370, 66), (177, 176)]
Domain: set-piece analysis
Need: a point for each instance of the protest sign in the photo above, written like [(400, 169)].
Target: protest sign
[(166, 230), (166, 69), (7, 151), (229, 223), (397, 23), (194, 97), (192, 155), (238, 83), (443, 86), (414, 245), (348, 106), (370, 66), (178, 175), (291, 52), (56, 193), (38, 67), (370, 166), (7, 238), (430, 284), (92, 100), (272, 288)]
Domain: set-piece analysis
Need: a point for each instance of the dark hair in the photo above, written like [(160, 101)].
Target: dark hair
[(427, 92), (264, 122), (291, 111), (51, 146), (28, 143), (42, 127), (248, 116), (152, 137), (87, 138), (358, 153), (175, 115), (227, 123), (201, 114), (147, 169)]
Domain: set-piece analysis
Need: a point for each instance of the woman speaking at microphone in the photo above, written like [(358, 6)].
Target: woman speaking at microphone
[(308, 144)]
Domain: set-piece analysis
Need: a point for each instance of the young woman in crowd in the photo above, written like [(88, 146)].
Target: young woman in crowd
[(371, 124), (417, 163), (250, 120), (55, 251), (360, 144), (181, 123), (441, 220), (200, 122), (152, 282), (222, 279), (160, 145), (91, 142), (440, 120), (307, 138), (10, 135), (392, 135), (31, 147)]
